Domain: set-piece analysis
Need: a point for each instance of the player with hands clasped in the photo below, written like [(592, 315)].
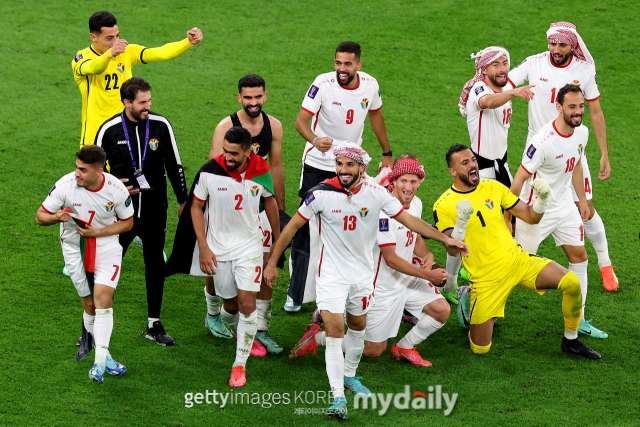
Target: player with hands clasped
[(555, 154), (471, 210), (347, 208), (95, 200)]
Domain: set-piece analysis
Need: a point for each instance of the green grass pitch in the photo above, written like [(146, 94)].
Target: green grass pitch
[(419, 52)]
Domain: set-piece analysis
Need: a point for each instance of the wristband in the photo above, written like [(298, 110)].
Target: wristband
[(314, 141), (388, 154)]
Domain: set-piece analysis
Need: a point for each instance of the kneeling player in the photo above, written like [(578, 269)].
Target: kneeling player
[(471, 210), (399, 285), (91, 250)]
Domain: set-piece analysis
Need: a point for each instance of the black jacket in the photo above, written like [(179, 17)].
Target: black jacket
[(162, 153)]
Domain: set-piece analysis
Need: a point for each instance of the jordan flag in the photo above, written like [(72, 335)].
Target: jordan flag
[(87, 248)]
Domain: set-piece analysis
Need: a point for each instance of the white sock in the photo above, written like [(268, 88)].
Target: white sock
[(334, 360), (580, 269), (353, 348), (453, 267), (594, 230), (88, 321), (151, 320), (420, 332), (570, 335), (263, 308), (321, 339), (247, 329), (231, 320), (103, 327), (213, 303)]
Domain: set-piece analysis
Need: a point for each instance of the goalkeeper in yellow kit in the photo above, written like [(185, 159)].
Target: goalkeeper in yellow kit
[(471, 210), (100, 69)]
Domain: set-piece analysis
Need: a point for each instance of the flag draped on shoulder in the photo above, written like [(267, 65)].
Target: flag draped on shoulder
[(185, 255), (87, 249)]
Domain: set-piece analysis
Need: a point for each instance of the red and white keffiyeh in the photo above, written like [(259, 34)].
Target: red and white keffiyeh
[(354, 152), (565, 32), (483, 59), (406, 167)]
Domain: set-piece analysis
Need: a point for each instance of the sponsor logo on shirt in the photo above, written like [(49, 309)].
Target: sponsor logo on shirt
[(479, 90), (575, 82), (560, 156), (255, 147), (313, 90), (543, 80), (52, 188), (336, 211), (335, 103), (384, 224), (364, 103), (78, 57), (127, 202), (310, 198), (123, 142), (77, 204), (222, 189), (489, 203), (254, 190), (153, 144), (109, 206), (531, 151), (364, 212), (120, 68), (521, 63)]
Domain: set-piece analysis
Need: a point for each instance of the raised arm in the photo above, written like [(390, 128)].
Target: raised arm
[(428, 232), (499, 99), (173, 50)]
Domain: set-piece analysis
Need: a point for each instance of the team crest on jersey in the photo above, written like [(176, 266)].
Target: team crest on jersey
[(364, 212), (52, 188), (109, 206), (313, 90), (479, 90), (364, 103), (254, 190), (489, 203), (127, 202), (580, 150), (531, 151), (575, 82), (384, 224), (153, 144), (255, 147), (78, 57), (120, 68)]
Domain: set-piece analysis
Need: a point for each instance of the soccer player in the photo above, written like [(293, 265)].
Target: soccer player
[(100, 69), (486, 103), (91, 250), (339, 103), (555, 155), (229, 188), (569, 61), (348, 210), (266, 142), (471, 210)]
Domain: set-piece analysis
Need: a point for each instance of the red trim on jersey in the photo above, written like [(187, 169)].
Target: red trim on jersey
[(561, 66), (196, 197), (317, 118), (378, 109), (479, 129), (305, 154), (45, 209), (377, 270), (126, 219), (564, 136), (335, 182), (302, 216), (349, 88), (526, 170), (479, 106), (514, 86), (313, 114), (319, 224), (401, 210), (594, 99), (531, 194), (387, 244), (101, 186), (320, 265)]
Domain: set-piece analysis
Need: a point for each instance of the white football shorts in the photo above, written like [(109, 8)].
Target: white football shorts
[(384, 318), (586, 177), (336, 297), (565, 226), (107, 268), (244, 273)]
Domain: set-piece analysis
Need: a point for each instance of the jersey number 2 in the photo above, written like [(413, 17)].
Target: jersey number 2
[(239, 200), (108, 78)]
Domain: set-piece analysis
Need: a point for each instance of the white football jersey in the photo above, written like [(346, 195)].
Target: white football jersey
[(339, 113), (232, 219), (553, 156), (549, 79), (388, 281), (97, 208), (488, 128), (348, 230)]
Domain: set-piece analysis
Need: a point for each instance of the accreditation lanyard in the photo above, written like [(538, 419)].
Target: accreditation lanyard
[(142, 180)]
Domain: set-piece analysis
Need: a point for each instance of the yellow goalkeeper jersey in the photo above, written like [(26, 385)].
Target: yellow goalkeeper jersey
[(99, 78), (493, 252)]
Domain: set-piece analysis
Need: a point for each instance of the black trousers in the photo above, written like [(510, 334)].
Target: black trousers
[(300, 246), (151, 230)]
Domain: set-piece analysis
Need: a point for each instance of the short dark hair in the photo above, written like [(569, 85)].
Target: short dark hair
[(101, 19), (405, 156), (92, 155), (239, 135), (131, 87), (349, 47), (251, 80), (454, 149), (564, 90)]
